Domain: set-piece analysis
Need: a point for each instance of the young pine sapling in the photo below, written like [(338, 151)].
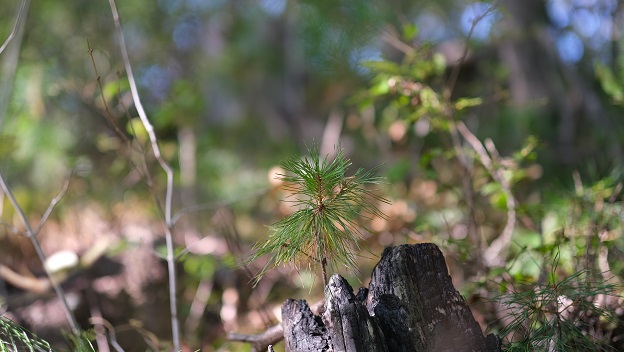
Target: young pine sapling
[(324, 229)]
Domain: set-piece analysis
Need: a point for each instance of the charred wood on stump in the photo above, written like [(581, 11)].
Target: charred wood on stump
[(303, 331), (350, 326), (410, 305)]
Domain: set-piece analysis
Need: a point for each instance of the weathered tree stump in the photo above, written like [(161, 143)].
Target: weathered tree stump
[(410, 305)]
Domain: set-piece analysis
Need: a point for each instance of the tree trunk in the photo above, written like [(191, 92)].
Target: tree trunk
[(410, 305)]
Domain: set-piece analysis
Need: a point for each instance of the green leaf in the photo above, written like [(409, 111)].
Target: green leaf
[(387, 67), (499, 200), (410, 31), (199, 266), (490, 188), (439, 63), (380, 88), (463, 103), (136, 129), (115, 88), (609, 83)]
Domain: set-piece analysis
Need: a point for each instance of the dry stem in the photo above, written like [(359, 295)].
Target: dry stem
[(494, 254), (20, 13), (463, 160), (175, 329), (42, 257)]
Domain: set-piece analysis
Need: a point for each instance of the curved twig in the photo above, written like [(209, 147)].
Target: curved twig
[(175, 329), (498, 248)]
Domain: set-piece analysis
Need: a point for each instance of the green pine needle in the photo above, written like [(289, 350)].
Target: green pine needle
[(324, 230)]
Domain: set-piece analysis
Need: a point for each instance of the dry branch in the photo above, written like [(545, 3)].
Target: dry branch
[(175, 329), (42, 257), (457, 146), (495, 254), (20, 13)]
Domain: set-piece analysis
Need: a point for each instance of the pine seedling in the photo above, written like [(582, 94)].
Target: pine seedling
[(560, 316), (324, 229)]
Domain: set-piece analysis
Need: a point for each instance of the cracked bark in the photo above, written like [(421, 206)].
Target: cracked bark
[(410, 305)]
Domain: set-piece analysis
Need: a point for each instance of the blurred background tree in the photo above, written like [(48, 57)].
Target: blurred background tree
[(234, 87)]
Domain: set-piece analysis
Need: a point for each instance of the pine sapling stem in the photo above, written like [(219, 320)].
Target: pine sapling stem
[(323, 257), (324, 268)]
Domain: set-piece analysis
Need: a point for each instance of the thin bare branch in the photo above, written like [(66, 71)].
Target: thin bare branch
[(42, 257), (457, 146), (111, 331), (262, 341), (107, 113), (26, 283), (175, 330), (96, 314), (198, 306), (140, 166), (149, 128), (397, 43), (464, 164), (11, 57), (32, 235), (20, 14), (450, 86), (11, 228), (331, 133), (53, 203), (495, 254)]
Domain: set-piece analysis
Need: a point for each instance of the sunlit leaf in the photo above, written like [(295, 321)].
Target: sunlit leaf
[(463, 103), (410, 31), (609, 83), (387, 67), (135, 128), (381, 88)]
